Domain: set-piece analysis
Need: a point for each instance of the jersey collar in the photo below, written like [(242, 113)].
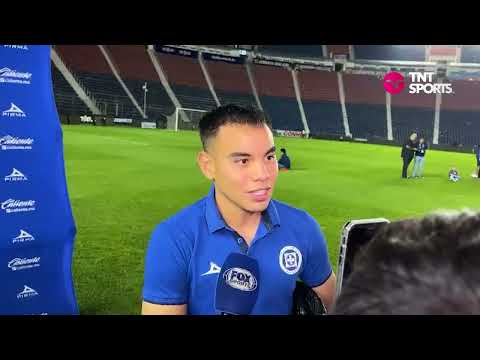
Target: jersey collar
[(215, 220)]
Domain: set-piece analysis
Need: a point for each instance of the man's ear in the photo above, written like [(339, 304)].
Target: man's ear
[(205, 163)]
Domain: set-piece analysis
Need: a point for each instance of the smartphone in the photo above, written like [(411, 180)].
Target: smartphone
[(356, 234)]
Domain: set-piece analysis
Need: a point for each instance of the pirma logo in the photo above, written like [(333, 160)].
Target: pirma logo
[(15, 176), (9, 142), (14, 111), (15, 206), (240, 279), (11, 76), (23, 237), (27, 292), (393, 82), (25, 263)]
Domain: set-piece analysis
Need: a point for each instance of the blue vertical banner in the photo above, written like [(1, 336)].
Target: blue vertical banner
[(37, 228)]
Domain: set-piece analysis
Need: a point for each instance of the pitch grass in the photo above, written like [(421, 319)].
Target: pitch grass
[(123, 181)]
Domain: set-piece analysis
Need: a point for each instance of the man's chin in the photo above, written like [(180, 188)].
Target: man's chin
[(258, 206)]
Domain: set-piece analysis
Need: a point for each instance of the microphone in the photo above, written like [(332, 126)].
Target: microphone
[(237, 285)]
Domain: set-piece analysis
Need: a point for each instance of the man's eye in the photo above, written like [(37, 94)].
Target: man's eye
[(241, 161), (271, 157)]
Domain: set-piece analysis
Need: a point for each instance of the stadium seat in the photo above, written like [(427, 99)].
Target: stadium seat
[(277, 95), (390, 52)]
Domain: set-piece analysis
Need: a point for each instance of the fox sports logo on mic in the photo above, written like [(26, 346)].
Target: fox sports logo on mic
[(240, 279)]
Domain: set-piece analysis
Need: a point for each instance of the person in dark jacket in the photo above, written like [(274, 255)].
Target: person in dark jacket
[(408, 152)]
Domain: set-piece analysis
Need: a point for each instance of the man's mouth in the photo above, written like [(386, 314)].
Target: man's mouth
[(260, 192)]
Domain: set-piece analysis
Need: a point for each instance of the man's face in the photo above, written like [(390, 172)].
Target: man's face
[(243, 165), (413, 137), (422, 140)]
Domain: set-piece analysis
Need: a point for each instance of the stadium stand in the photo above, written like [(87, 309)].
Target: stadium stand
[(321, 102), (337, 50), (365, 97), (111, 98), (231, 83), (187, 81), (470, 54), (307, 51), (366, 109), (460, 114), (136, 68), (66, 99), (93, 71), (390, 52), (412, 112), (277, 95)]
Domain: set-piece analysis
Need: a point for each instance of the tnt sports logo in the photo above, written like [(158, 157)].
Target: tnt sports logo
[(10, 76), (421, 82), (23, 264), (240, 279), (393, 82), (23, 237), (27, 293), (14, 111), (16, 175), (290, 260)]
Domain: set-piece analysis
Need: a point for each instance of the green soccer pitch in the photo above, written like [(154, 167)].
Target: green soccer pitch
[(124, 181)]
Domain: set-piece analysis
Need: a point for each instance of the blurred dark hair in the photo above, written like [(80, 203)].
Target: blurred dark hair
[(425, 266), (229, 114)]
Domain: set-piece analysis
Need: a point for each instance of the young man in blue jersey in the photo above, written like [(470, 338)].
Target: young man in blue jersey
[(186, 251)]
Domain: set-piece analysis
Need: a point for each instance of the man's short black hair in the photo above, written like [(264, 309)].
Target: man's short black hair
[(230, 114), (426, 266), (283, 150)]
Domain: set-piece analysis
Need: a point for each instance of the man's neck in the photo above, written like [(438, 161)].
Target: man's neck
[(243, 222)]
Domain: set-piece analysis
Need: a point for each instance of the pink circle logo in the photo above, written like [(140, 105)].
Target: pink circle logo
[(393, 82)]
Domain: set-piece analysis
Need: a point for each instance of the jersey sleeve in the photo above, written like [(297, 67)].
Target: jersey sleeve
[(166, 267), (317, 268)]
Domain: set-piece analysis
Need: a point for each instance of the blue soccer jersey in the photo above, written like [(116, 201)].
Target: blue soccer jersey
[(186, 252)]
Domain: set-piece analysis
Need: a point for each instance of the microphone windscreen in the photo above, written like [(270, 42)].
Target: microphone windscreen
[(237, 285)]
